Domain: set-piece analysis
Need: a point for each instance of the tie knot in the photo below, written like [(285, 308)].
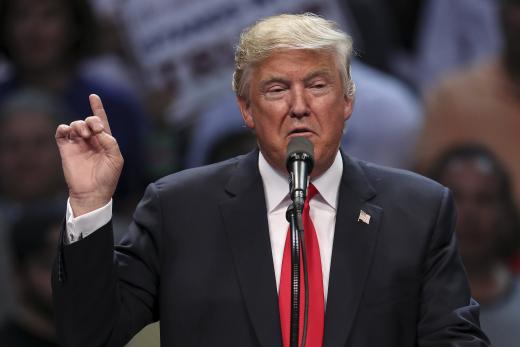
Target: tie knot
[(311, 191)]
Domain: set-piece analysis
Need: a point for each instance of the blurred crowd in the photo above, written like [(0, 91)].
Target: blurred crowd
[(437, 92)]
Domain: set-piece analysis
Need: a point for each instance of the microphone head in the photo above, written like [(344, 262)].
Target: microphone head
[(300, 148)]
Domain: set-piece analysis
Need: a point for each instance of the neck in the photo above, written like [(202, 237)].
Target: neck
[(489, 283)]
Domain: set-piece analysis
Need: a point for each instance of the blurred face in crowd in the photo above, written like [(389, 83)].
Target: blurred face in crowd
[(297, 93), (38, 33), (480, 211), (29, 160)]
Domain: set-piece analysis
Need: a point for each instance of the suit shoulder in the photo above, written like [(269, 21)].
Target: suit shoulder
[(408, 197)]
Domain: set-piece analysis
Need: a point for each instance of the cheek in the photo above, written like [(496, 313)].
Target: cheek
[(8, 161), (333, 112), (489, 219), (19, 27), (269, 119), (333, 126), (56, 32)]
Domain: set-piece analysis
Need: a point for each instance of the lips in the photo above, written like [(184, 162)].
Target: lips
[(300, 132)]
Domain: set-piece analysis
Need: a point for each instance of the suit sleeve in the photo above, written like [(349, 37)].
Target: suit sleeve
[(448, 315), (105, 295)]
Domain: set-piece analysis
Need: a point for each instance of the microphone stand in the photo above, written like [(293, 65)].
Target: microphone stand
[(294, 217)]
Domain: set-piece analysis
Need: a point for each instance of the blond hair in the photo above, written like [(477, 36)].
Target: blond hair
[(291, 31)]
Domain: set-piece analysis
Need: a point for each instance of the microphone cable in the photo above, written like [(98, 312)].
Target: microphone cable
[(306, 288)]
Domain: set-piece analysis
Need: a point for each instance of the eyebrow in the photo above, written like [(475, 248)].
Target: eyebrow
[(274, 79), (319, 73)]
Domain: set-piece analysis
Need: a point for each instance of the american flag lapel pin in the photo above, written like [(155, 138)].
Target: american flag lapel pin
[(364, 217)]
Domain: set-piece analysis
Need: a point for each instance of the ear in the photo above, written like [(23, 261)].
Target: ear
[(348, 107), (245, 110)]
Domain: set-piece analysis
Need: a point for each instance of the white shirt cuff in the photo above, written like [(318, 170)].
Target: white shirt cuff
[(84, 225)]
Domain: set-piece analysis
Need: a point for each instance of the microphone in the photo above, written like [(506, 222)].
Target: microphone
[(299, 161)]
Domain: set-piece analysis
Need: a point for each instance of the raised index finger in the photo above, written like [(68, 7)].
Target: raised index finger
[(97, 110)]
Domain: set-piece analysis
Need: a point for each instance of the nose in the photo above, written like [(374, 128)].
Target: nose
[(299, 104)]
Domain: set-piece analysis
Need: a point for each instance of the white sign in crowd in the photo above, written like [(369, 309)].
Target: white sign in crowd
[(187, 45)]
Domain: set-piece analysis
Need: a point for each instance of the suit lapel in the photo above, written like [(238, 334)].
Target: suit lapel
[(352, 253), (245, 219)]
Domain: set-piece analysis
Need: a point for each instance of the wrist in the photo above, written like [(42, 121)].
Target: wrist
[(84, 204)]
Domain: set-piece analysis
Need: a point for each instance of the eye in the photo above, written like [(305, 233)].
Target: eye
[(318, 84), (275, 90)]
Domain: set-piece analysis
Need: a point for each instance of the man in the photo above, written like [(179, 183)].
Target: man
[(30, 176), (488, 231), (205, 253), (479, 104)]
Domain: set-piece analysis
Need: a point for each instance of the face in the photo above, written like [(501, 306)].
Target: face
[(29, 160), (38, 33), (479, 209), (297, 93)]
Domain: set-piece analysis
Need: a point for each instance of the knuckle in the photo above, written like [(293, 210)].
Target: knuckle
[(77, 123), (61, 129), (113, 140), (91, 119)]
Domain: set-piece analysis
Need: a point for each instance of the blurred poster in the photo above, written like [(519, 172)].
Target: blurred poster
[(186, 46)]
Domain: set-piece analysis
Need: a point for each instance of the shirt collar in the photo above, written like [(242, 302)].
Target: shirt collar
[(276, 185), (328, 183)]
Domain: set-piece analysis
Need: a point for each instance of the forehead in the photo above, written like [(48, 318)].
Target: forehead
[(295, 64)]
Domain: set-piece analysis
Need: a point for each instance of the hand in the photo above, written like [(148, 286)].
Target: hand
[(91, 159)]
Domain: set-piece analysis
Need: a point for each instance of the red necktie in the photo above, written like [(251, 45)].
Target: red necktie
[(316, 298)]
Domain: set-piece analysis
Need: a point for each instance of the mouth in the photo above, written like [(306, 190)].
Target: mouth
[(300, 132)]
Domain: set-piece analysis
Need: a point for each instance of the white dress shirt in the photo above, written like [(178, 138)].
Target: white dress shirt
[(84, 225), (322, 211)]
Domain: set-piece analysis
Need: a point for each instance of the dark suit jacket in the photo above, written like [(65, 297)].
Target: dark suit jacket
[(198, 258)]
